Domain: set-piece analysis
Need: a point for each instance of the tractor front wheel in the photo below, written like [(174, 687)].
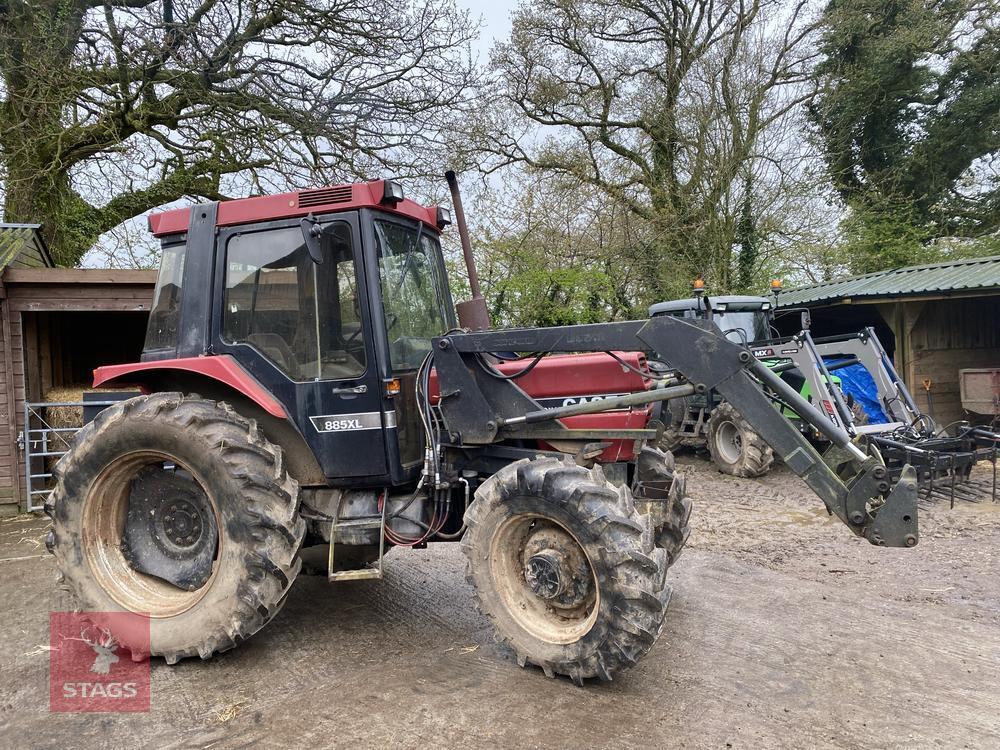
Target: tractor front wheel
[(672, 416), (567, 568), (177, 507), (734, 445)]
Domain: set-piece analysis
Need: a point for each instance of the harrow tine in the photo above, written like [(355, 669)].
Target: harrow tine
[(994, 472), (967, 493), (952, 456), (940, 494)]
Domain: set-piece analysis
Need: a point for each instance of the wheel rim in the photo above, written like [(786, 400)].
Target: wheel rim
[(544, 578), (104, 517), (729, 441)]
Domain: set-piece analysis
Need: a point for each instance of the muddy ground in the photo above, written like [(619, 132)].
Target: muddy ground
[(784, 631)]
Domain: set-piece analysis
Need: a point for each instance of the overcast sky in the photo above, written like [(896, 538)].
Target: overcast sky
[(495, 16)]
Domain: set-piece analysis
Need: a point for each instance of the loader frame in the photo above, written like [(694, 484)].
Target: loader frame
[(942, 461), (480, 409)]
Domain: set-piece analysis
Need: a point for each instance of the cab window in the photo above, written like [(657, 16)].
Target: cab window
[(165, 313), (302, 316)]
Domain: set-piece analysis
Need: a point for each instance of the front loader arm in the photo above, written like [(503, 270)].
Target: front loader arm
[(479, 409), (858, 493)]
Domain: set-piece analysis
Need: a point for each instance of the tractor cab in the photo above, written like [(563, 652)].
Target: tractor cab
[(742, 319), (328, 298)]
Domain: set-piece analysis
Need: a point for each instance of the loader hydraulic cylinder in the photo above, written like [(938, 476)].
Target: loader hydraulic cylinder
[(476, 405), (595, 407)]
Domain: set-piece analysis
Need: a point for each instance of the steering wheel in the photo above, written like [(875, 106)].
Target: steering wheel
[(350, 339)]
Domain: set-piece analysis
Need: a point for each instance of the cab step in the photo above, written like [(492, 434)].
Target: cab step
[(357, 574)]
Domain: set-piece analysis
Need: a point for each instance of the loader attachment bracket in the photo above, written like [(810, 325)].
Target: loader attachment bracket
[(895, 524)]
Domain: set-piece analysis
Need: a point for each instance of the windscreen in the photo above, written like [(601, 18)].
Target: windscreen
[(743, 326), (415, 298)]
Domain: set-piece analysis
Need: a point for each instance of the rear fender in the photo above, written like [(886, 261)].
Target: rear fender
[(221, 368), (222, 378)]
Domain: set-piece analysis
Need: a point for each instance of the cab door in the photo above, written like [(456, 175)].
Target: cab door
[(302, 329), (411, 304)]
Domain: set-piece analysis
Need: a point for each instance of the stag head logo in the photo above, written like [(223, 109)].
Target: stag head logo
[(104, 645)]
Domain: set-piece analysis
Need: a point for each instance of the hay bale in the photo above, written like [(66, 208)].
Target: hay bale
[(61, 417), (64, 416), (69, 416)]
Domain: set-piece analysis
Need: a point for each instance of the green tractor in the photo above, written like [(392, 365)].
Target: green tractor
[(709, 421), (901, 434)]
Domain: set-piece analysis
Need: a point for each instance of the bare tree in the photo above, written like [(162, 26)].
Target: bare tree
[(664, 106), (551, 251), (112, 107)]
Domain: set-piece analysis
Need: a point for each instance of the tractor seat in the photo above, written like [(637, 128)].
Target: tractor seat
[(276, 349)]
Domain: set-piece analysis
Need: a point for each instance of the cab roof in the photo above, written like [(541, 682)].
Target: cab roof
[(301, 203), (692, 303)]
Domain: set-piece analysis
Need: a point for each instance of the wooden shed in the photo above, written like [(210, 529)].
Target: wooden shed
[(934, 320), (57, 325)]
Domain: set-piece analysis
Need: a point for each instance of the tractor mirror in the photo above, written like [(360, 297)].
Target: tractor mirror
[(806, 320), (312, 236)]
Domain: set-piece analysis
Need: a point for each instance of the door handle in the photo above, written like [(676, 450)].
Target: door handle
[(351, 391)]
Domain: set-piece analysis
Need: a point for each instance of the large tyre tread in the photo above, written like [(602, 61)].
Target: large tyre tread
[(637, 586), (270, 513)]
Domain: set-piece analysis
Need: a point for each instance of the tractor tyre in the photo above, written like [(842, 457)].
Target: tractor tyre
[(179, 508), (672, 416), (660, 491), (567, 568), (734, 446)]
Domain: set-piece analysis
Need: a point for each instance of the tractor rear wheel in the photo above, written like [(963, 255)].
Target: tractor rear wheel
[(734, 445), (567, 568), (177, 507)]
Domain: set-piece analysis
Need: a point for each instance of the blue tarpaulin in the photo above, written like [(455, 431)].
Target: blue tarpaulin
[(857, 381)]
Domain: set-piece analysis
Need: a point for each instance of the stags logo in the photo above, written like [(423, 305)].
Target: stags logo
[(89, 669)]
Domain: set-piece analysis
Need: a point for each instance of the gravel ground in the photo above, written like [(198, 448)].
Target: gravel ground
[(784, 631)]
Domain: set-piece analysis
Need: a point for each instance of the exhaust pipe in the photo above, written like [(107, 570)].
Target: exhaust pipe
[(472, 314)]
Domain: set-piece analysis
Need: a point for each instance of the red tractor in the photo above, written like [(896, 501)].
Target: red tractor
[(307, 387)]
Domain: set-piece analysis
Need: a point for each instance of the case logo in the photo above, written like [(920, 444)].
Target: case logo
[(550, 403)]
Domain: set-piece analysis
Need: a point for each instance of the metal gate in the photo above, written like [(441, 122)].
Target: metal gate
[(44, 444)]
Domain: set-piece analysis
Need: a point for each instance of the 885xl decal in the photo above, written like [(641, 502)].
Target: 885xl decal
[(366, 420)]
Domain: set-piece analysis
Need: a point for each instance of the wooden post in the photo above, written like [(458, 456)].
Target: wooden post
[(11, 401)]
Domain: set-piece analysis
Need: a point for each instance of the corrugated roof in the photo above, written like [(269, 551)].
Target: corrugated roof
[(952, 276), (21, 245)]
